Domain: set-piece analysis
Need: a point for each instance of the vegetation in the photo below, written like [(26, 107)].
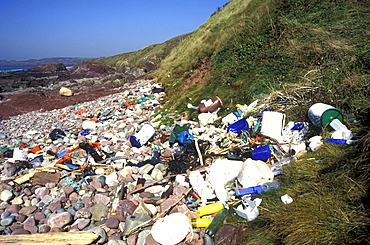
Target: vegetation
[(305, 51)]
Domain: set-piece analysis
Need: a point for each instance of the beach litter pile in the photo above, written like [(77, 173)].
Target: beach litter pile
[(109, 172)]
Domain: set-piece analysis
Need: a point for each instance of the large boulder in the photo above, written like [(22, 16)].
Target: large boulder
[(49, 67)]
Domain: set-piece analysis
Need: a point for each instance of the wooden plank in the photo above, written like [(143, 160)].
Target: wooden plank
[(41, 178), (58, 238)]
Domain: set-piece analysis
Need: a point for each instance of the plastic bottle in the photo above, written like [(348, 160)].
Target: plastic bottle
[(210, 209), (201, 222), (340, 141), (255, 190), (217, 222)]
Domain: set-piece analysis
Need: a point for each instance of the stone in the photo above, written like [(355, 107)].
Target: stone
[(101, 179), (116, 242), (83, 224), (101, 232), (225, 234), (17, 200), (98, 211), (54, 206), (74, 196), (41, 192), (5, 186), (50, 185), (14, 208), (20, 232), (6, 195), (83, 213), (150, 240), (103, 199), (112, 179), (124, 209), (30, 221), (65, 92), (112, 222), (9, 169), (32, 229), (20, 218), (96, 184), (27, 191), (68, 190), (39, 216), (78, 206), (44, 228), (5, 214), (46, 199), (34, 201), (141, 240), (7, 221), (59, 220), (28, 210)]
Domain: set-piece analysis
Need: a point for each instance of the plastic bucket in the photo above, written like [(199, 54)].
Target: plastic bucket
[(321, 115), (272, 124), (140, 139), (210, 105)]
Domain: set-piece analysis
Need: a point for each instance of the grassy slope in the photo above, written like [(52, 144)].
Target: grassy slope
[(254, 47)]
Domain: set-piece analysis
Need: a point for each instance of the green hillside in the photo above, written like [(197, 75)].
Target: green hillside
[(288, 54)]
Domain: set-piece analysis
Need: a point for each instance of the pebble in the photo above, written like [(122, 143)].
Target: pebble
[(59, 220), (103, 199), (7, 221), (6, 195), (101, 232)]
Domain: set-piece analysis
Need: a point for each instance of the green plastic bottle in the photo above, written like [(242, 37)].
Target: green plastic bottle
[(216, 223)]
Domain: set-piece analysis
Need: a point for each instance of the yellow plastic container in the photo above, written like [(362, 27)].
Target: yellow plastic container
[(201, 222), (210, 209)]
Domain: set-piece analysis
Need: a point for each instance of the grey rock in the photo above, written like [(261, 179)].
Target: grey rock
[(7, 221), (5, 214), (103, 199), (141, 240), (101, 232), (98, 211), (9, 169)]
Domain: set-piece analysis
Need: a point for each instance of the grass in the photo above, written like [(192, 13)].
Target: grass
[(306, 51)]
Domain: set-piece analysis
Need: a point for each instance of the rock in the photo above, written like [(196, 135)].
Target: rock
[(101, 179), (35, 200), (54, 206), (59, 220), (20, 218), (83, 213), (9, 169), (98, 211), (117, 242), (27, 191), (30, 221), (14, 208), (225, 234), (28, 210), (141, 240), (6, 195), (112, 179), (44, 228), (124, 209), (78, 206), (73, 196), (41, 192), (101, 232), (33, 229), (39, 216), (5, 214), (65, 92), (7, 221), (112, 222), (150, 240), (103, 199), (68, 190), (17, 200), (20, 232), (83, 224)]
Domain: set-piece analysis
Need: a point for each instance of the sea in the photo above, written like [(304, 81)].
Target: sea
[(14, 68)]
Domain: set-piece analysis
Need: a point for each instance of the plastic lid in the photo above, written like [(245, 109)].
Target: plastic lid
[(329, 115)]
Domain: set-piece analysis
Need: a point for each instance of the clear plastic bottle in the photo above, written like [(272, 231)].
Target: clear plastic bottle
[(269, 186)]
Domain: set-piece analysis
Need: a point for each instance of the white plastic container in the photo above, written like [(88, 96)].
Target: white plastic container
[(273, 124), (142, 137)]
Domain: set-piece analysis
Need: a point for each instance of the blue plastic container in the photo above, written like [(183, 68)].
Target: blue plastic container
[(238, 126), (261, 153)]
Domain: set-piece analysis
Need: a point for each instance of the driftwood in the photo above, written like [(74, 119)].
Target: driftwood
[(55, 238)]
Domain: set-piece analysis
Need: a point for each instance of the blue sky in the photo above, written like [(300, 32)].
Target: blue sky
[(34, 29)]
